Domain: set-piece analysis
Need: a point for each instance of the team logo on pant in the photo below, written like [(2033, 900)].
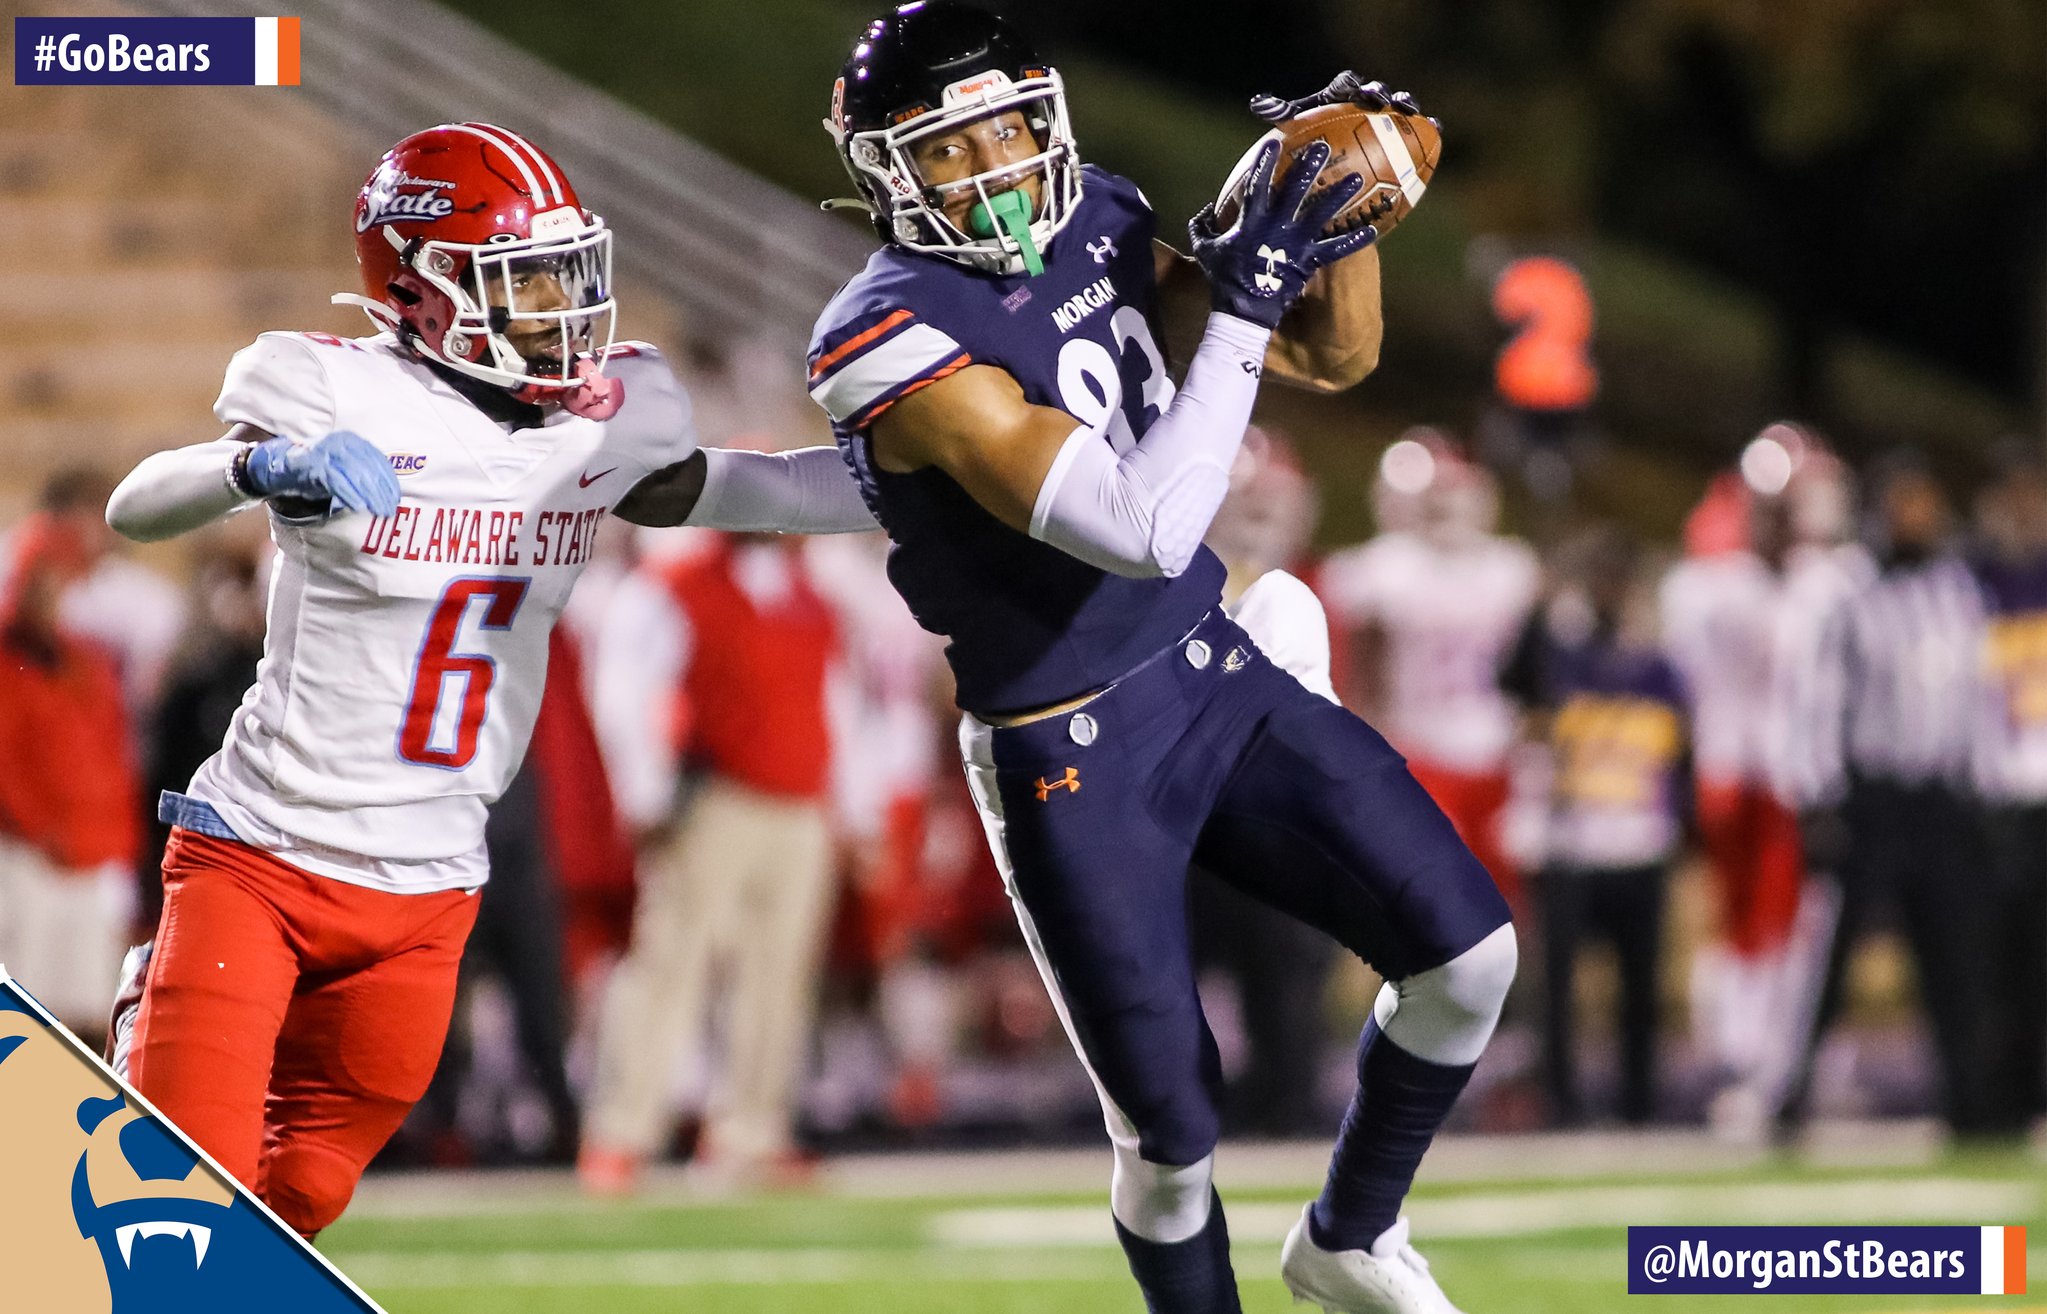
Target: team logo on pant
[(1069, 782)]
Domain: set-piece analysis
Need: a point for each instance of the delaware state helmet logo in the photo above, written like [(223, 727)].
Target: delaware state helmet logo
[(403, 198)]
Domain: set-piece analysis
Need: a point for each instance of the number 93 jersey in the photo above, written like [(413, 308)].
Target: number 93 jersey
[(1029, 625), (405, 655)]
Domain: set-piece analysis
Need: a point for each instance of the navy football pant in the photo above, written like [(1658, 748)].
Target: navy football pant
[(1208, 754)]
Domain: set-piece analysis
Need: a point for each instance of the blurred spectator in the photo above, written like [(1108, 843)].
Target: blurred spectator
[(68, 806), (134, 613), (893, 939), (1280, 966), (2011, 771), (1887, 712), (1759, 555), (1611, 710), (1430, 608), (735, 880), (215, 667)]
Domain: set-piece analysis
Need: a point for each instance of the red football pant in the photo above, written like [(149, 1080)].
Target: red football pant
[(1474, 800), (1751, 841), (289, 1021)]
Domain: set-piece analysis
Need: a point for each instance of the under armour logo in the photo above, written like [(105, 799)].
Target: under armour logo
[(1103, 251), (1269, 281), (1069, 782)]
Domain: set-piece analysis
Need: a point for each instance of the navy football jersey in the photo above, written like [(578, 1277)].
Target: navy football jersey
[(1029, 624)]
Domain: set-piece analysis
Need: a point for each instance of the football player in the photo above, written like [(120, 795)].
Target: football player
[(997, 378), (1431, 607), (434, 491)]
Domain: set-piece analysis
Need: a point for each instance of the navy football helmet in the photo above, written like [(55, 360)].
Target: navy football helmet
[(927, 68)]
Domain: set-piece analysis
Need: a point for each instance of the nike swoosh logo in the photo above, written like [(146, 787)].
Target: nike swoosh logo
[(589, 479)]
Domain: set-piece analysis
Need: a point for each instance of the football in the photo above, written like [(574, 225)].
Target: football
[(1396, 154)]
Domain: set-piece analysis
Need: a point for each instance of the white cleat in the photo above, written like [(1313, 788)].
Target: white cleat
[(1390, 1278)]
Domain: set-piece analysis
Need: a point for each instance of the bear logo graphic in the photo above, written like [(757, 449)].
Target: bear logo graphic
[(105, 1210)]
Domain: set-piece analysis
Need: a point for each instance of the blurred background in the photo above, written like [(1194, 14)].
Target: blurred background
[(1691, 540)]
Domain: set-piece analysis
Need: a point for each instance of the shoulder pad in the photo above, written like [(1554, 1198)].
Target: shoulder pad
[(278, 384)]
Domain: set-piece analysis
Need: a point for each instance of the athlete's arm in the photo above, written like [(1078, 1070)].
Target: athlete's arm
[(173, 492), (1143, 512), (1329, 341), (1039, 470), (807, 491)]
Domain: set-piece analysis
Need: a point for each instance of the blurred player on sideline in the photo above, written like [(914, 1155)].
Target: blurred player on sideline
[(1761, 562), (434, 491), (997, 378), (1432, 606)]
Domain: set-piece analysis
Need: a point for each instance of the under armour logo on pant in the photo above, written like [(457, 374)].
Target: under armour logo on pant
[(1069, 782)]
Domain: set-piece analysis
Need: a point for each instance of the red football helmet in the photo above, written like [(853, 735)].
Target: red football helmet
[(468, 237)]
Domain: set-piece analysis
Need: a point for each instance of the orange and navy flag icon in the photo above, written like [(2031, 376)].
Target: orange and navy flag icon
[(1070, 782), (106, 1208)]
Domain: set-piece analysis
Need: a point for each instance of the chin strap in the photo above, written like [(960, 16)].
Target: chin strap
[(596, 396)]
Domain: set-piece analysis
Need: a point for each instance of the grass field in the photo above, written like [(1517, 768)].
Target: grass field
[(1534, 1226)]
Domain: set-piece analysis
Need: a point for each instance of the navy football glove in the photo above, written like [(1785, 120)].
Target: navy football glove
[(1346, 88), (1258, 266), (348, 471)]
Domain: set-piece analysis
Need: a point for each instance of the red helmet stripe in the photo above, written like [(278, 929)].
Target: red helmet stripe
[(532, 180), (546, 165)]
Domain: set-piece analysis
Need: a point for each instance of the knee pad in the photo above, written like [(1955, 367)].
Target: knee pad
[(1158, 1202), (1446, 1014)]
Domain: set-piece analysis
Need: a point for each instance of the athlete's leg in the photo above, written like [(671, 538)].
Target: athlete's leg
[(1322, 819), (359, 1045), (1099, 890), (218, 985)]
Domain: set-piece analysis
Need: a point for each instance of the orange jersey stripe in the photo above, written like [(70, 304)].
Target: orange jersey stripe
[(854, 343), (953, 366)]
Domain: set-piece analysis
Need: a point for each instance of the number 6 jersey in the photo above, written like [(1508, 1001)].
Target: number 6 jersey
[(405, 656), (1029, 625)]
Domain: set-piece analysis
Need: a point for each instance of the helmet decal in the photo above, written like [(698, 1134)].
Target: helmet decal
[(386, 204)]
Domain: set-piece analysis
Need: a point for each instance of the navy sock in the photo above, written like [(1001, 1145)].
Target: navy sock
[(1400, 1102), (1185, 1277)]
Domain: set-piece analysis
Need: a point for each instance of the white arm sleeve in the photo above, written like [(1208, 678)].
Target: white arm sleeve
[(173, 492), (1144, 513), (807, 491), (276, 384), (642, 650)]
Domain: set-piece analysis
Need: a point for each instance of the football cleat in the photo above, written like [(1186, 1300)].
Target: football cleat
[(1390, 1278)]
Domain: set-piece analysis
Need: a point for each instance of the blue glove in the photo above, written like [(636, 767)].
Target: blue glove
[(1346, 88), (1258, 267), (345, 470)]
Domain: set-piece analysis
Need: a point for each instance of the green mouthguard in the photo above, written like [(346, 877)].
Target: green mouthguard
[(1012, 210)]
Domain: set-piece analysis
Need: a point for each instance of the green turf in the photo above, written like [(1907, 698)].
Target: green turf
[(797, 1254)]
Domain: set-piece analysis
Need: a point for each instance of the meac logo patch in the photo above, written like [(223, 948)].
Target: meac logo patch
[(105, 1209)]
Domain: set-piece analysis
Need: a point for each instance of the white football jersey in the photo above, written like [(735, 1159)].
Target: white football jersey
[(1450, 614), (406, 655), (1720, 616)]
